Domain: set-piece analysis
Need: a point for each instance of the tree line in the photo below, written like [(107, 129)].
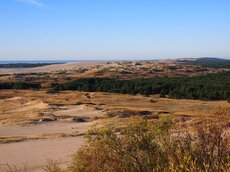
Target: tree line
[(25, 65), (208, 87), (19, 85), (209, 62)]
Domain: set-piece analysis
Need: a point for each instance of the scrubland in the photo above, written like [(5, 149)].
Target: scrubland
[(43, 129)]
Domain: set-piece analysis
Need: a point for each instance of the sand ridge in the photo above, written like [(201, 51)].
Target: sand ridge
[(51, 68)]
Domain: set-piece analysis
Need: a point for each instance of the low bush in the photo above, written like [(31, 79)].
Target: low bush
[(147, 147)]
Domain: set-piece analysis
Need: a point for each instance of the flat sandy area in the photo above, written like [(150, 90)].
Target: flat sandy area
[(34, 155), (48, 128)]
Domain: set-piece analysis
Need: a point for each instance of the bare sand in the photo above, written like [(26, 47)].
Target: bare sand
[(81, 110), (34, 154), (47, 128), (51, 68)]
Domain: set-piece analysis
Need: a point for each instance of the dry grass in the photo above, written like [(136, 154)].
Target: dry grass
[(4, 140), (144, 146), (19, 107)]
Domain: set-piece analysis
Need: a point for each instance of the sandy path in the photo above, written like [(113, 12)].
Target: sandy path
[(36, 153)]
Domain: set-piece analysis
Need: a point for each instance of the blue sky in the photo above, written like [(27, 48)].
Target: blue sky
[(113, 29)]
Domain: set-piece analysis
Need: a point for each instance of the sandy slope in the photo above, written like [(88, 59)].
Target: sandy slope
[(56, 127), (34, 154), (81, 110), (50, 68)]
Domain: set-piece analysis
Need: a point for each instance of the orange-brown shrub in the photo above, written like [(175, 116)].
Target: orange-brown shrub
[(147, 147)]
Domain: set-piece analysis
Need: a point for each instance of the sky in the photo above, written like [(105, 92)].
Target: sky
[(113, 29)]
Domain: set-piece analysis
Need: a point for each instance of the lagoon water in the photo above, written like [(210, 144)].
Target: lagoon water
[(29, 62), (41, 62), (49, 61), (36, 62)]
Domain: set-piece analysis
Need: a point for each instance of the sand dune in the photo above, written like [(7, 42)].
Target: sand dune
[(82, 111), (50, 68)]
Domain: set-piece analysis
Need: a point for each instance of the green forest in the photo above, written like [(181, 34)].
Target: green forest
[(208, 87), (209, 62), (19, 85)]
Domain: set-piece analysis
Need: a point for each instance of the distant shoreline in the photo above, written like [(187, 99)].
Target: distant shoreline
[(51, 61), (20, 65), (48, 68), (23, 65)]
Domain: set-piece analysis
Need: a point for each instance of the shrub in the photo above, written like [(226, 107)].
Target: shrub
[(147, 147), (53, 167)]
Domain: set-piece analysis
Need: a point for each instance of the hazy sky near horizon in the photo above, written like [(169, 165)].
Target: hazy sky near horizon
[(113, 29)]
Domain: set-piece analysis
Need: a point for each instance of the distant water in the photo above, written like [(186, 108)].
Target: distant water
[(36, 62), (12, 68), (50, 61), (29, 62), (39, 62)]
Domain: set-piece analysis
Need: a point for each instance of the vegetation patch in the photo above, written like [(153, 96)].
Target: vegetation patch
[(19, 85), (209, 62), (145, 146), (25, 65), (208, 87)]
